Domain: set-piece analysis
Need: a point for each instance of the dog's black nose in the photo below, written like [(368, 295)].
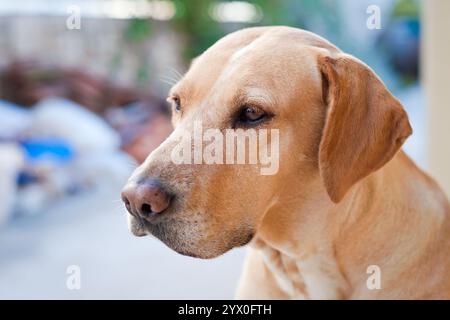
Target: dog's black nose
[(146, 199)]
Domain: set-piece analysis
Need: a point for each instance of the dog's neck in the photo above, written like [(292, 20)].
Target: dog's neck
[(310, 251), (298, 246)]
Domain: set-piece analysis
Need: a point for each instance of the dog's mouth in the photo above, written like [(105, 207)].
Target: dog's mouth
[(191, 236), (172, 235)]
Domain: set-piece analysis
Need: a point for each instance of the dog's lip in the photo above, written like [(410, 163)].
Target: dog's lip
[(153, 217), (138, 228)]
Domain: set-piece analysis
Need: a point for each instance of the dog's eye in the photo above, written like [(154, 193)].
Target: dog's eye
[(176, 102), (251, 115)]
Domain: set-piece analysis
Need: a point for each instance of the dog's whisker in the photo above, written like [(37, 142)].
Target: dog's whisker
[(176, 72), (170, 83), (169, 77), (174, 78)]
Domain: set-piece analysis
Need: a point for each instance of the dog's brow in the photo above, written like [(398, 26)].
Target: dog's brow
[(255, 95)]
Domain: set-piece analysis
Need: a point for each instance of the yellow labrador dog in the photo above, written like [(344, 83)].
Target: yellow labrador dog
[(346, 215)]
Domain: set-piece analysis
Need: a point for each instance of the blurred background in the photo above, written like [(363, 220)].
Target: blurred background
[(82, 102)]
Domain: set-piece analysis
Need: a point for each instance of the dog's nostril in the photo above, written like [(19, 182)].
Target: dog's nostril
[(127, 203), (146, 209)]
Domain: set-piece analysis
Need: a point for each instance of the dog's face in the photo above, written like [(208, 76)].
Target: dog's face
[(259, 78)]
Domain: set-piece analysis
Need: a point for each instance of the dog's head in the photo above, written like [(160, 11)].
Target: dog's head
[(316, 113)]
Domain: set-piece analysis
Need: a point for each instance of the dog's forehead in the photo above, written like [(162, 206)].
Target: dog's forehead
[(261, 54)]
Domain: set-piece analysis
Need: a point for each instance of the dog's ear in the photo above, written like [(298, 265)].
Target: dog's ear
[(364, 126)]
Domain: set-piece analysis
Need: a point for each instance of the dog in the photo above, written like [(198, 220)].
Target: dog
[(347, 215)]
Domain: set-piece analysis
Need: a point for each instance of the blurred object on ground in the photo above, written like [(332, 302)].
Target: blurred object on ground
[(136, 123), (158, 128), (67, 148), (83, 130), (45, 176), (11, 159), (13, 120)]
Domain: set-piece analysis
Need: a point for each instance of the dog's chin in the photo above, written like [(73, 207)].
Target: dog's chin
[(185, 238), (199, 252)]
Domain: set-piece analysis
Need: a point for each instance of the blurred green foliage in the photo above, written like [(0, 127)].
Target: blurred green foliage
[(197, 30), (406, 8), (193, 22), (138, 30)]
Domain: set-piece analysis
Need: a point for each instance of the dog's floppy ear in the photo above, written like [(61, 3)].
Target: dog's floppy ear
[(364, 126)]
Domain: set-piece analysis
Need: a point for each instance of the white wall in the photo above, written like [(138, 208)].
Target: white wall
[(436, 73)]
